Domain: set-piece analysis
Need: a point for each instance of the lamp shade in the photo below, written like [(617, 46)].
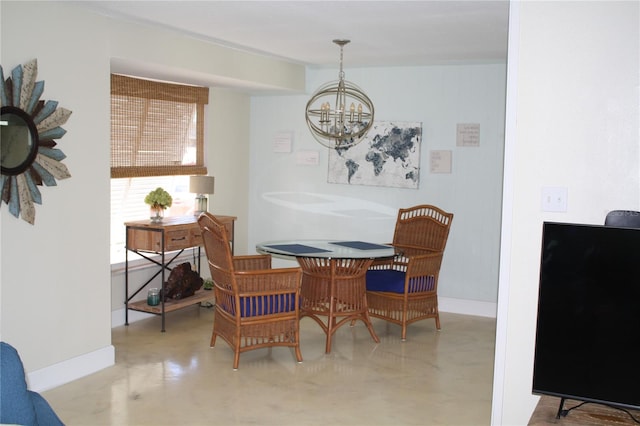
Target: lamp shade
[(201, 184)]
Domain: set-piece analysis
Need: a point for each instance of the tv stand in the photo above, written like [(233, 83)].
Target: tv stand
[(561, 411), (547, 412)]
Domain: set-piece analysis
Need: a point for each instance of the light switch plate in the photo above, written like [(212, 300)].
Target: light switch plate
[(554, 199)]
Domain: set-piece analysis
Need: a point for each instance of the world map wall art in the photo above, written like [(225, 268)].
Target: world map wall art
[(388, 156)]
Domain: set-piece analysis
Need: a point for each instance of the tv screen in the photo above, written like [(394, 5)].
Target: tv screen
[(588, 328)]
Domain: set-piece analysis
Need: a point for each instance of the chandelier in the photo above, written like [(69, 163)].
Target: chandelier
[(339, 114)]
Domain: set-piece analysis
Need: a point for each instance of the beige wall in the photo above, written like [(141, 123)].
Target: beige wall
[(55, 274), (55, 280)]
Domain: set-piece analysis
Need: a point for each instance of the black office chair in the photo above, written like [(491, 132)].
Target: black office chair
[(623, 219)]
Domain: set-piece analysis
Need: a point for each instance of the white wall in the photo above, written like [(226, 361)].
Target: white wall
[(439, 97), (55, 279), (573, 122)]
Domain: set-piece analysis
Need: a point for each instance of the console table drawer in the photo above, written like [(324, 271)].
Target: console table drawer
[(174, 239), (196, 237), (196, 233), (177, 239), (179, 233), (139, 239)]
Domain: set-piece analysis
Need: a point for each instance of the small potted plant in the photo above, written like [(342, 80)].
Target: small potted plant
[(158, 200)]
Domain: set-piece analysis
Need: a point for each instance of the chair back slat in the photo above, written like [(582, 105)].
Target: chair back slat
[(422, 227), (221, 265), (216, 246)]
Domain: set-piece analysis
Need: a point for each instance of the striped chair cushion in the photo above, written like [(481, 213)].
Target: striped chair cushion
[(392, 281), (266, 305)]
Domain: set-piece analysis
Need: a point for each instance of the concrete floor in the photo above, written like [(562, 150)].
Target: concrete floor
[(175, 378)]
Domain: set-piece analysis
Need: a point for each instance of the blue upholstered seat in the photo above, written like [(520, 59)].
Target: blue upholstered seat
[(385, 280), (18, 405), (392, 281), (267, 305)]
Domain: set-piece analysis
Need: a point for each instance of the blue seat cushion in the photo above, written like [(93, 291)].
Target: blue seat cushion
[(385, 280), (16, 406), (44, 413), (266, 305)]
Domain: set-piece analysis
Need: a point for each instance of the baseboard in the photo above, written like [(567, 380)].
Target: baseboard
[(467, 307), (71, 369)]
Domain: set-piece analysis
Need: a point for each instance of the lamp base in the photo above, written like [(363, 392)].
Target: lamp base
[(201, 205)]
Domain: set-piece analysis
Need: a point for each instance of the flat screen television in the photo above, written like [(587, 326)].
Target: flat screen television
[(588, 328)]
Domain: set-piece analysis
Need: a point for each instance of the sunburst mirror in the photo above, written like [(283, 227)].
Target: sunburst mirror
[(28, 129)]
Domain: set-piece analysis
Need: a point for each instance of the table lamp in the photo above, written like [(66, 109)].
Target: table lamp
[(201, 185)]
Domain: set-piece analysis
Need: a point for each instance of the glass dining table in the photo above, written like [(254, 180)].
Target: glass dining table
[(333, 288)]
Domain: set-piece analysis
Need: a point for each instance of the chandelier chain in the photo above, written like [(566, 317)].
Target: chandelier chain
[(341, 73)]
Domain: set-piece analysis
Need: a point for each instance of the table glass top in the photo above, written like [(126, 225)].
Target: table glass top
[(327, 248)]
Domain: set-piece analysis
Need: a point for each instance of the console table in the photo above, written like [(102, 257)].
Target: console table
[(173, 235)]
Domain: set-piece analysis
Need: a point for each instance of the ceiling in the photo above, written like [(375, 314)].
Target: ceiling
[(382, 33)]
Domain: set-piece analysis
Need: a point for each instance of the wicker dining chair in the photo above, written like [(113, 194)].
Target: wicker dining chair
[(404, 289), (256, 306)]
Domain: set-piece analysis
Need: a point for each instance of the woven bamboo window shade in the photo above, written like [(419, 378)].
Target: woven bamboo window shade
[(157, 129)]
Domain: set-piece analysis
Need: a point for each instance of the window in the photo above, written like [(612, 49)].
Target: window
[(157, 129), (127, 204), (157, 139)]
